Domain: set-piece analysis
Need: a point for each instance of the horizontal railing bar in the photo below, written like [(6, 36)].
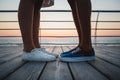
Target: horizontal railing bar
[(66, 29), (59, 21), (105, 21), (64, 11), (106, 29), (54, 43), (75, 43), (67, 36)]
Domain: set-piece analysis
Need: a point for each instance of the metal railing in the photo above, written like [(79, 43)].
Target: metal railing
[(95, 29)]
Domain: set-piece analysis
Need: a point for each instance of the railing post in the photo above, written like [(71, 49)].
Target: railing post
[(40, 36), (96, 25)]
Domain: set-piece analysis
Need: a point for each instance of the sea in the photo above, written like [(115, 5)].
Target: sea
[(57, 41)]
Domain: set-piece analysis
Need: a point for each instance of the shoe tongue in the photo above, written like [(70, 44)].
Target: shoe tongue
[(76, 50)]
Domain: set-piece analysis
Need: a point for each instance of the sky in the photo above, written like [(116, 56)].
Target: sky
[(61, 5)]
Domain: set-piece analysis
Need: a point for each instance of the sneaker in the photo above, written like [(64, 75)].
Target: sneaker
[(36, 55), (43, 49), (76, 55)]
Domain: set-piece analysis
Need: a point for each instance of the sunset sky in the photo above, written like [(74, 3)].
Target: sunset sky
[(61, 5)]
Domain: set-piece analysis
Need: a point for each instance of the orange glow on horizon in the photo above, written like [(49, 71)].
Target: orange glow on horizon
[(60, 33)]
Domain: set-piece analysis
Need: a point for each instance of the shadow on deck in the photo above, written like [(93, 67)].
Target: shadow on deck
[(105, 67)]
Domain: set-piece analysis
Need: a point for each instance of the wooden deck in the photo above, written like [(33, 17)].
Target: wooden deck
[(105, 67)]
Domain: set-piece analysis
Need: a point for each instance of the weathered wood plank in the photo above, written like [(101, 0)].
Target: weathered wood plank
[(83, 71), (107, 58), (107, 69), (10, 53), (29, 71), (56, 70), (117, 48), (5, 59), (111, 49), (9, 67), (8, 50), (113, 54)]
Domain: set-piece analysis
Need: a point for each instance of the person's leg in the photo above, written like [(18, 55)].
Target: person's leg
[(75, 17), (25, 16), (36, 22), (84, 15), (84, 51)]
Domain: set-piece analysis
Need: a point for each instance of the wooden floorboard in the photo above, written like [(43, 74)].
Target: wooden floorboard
[(105, 67), (110, 59), (84, 71), (9, 53), (107, 52), (29, 71), (110, 71), (112, 48), (10, 67), (56, 70)]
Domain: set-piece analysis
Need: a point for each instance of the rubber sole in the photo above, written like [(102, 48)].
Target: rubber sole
[(71, 59)]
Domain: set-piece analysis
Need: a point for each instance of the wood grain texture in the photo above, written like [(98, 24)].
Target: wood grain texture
[(105, 67), (109, 70), (84, 71), (29, 71), (10, 67), (56, 71)]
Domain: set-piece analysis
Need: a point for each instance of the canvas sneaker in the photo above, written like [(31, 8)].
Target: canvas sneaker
[(37, 55), (76, 55)]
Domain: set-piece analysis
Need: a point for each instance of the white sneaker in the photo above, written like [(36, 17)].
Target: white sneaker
[(43, 49), (37, 55)]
